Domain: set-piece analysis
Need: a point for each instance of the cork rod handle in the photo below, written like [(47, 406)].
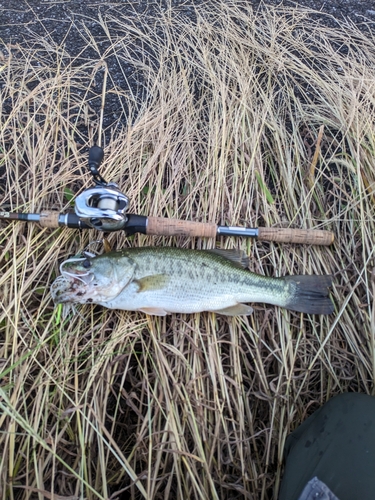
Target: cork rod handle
[(161, 226), (300, 236), (49, 218)]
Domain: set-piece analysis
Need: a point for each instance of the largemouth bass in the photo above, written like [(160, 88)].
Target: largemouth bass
[(163, 280)]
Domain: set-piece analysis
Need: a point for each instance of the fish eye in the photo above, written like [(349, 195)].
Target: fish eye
[(86, 263)]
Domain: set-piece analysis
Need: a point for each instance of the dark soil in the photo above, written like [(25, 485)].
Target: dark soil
[(61, 22)]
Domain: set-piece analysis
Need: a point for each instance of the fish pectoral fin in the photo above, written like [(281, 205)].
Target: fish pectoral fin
[(152, 282), (154, 311), (237, 310)]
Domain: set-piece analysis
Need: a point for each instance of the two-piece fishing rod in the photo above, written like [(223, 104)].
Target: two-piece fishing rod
[(104, 207)]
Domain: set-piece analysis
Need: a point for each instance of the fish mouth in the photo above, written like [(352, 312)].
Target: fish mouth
[(67, 289)]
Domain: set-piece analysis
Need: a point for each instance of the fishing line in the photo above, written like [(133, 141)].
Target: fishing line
[(72, 275)]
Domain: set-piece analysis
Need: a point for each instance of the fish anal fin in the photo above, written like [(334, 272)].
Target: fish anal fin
[(153, 311), (152, 282), (237, 257), (236, 310)]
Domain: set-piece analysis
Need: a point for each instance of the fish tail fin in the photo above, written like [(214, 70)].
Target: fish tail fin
[(309, 294)]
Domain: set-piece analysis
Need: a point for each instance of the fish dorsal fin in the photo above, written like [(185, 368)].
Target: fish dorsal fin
[(235, 256)]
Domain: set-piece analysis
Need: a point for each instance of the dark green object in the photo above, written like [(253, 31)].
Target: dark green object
[(337, 445)]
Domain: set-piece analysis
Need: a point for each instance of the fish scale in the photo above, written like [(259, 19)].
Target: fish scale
[(162, 280)]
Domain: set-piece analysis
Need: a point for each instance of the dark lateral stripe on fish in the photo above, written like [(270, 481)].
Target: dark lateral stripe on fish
[(310, 294)]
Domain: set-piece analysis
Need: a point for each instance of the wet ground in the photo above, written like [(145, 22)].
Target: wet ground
[(62, 22)]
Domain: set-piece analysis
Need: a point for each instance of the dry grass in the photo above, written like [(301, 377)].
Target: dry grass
[(188, 406)]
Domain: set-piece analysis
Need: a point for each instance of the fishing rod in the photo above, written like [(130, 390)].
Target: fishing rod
[(104, 207)]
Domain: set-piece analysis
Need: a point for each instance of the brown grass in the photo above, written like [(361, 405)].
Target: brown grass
[(111, 403)]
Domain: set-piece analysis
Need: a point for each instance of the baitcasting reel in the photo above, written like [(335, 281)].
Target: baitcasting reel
[(103, 206)]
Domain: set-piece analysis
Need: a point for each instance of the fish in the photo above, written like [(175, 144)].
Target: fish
[(165, 280)]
